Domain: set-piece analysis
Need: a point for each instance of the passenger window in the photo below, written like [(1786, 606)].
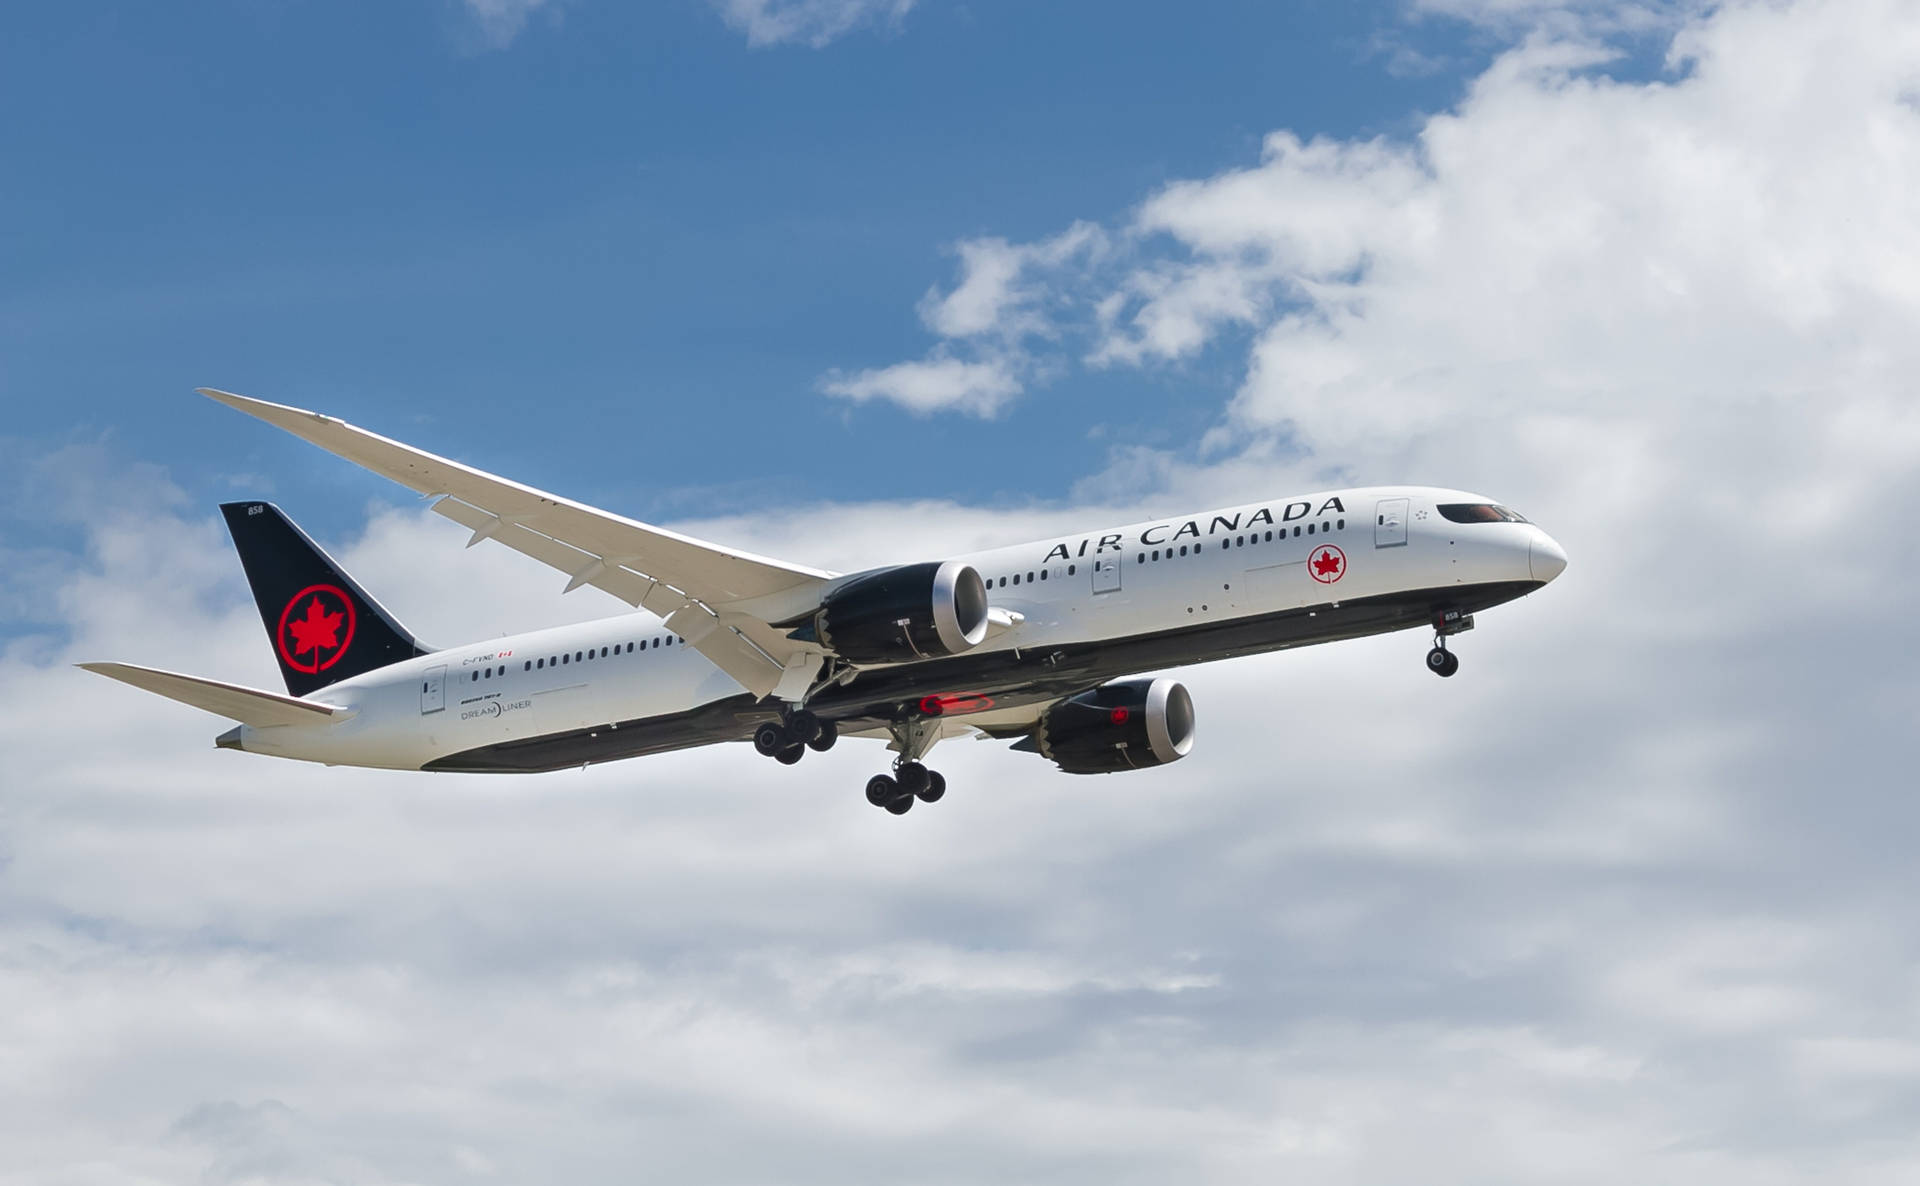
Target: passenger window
[(1140, 558), (1183, 549), (603, 652), (1029, 578), (1296, 531), (629, 648), (1341, 524), (1070, 569), (1309, 529), (1016, 578), (1269, 537), (1043, 574)]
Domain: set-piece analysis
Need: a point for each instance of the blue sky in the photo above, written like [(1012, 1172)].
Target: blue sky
[(616, 254)]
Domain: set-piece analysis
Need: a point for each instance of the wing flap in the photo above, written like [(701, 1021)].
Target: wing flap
[(236, 702), (724, 641), (629, 587)]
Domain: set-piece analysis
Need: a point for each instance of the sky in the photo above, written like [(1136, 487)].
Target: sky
[(852, 282)]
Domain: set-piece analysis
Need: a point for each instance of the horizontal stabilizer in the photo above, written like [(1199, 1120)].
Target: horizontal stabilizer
[(249, 706)]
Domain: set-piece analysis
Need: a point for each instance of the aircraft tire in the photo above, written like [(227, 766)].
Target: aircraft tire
[(823, 740), (882, 790), (769, 739), (1442, 663), (901, 805), (803, 726), (935, 788), (791, 754), (912, 777)]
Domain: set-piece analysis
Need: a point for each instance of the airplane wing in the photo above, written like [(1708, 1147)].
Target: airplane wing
[(236, 702), (719, 599)]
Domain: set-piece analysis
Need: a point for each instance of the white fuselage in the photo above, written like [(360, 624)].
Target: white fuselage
[(1124, 582)]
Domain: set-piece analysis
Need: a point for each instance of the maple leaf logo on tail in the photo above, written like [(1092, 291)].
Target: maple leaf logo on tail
[(315, 628), (318, 629)]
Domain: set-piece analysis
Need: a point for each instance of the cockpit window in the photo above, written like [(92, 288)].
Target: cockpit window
[(1478, 512)]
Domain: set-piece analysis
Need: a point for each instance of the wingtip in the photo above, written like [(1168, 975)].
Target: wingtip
[(261, 409)]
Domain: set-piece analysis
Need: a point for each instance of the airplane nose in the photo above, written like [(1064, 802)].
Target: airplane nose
[(1546, 559)]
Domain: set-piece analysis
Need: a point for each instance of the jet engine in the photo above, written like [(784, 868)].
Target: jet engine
[(1125, 725), (917, 611)]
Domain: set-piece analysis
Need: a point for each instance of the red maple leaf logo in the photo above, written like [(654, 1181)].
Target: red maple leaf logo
[(1326, 564), (319, 630)]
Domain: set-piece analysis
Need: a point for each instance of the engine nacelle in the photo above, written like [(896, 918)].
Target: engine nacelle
[(1125, 725), (917, 611)]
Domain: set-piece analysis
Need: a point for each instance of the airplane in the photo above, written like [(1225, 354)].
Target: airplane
[(1050, 644)]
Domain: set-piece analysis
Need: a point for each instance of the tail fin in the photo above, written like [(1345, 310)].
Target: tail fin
[(324, 626)]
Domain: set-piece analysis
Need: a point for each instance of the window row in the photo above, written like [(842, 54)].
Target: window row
[(583, 656), (1033, 578)]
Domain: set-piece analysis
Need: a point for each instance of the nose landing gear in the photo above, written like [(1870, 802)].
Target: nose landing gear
[(1446, 623)]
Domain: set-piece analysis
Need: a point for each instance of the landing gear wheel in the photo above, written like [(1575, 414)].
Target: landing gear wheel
[(803, 725), (882, 790), (936, 787), (791, 754), (1442, 662), (902, 805), (769, 739), (912, 777), (824, 739)]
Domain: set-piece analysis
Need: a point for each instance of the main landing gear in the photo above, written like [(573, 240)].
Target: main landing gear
[(1446, 623), (910, 780), (787, 741)]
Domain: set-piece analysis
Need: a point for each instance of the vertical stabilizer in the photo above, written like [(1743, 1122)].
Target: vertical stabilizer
[(323, 626)]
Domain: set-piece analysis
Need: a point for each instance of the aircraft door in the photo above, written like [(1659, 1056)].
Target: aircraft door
[(433, 690), (1106, 574), (1390, 523)]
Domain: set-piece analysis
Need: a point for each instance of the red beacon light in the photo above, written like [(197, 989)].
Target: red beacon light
[(1119, 715)]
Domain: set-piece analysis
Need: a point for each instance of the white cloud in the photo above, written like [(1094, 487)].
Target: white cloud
[(500, 21), (1006, 295), (813, 23), (1005, 290), (936, 384)]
